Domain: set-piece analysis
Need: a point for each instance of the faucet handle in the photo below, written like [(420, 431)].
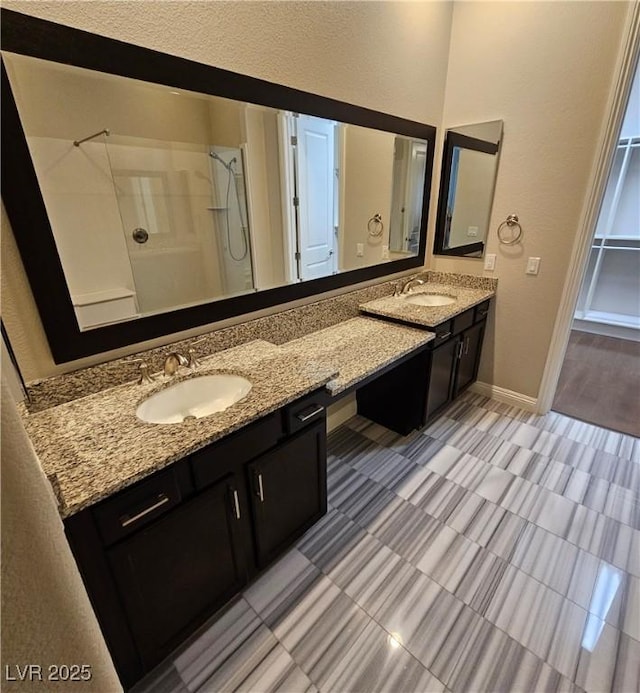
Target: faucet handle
[(192, 360), (143, 369)]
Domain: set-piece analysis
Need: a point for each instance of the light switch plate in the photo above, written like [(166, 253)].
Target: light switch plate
[(472, 231), (533, 265), (385, 252), (490, 261), (359, 249)]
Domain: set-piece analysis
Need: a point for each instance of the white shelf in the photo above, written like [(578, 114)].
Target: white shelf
[(618, 319), (611, 282)]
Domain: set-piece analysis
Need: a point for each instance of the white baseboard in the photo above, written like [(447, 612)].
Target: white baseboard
[(501, 394)]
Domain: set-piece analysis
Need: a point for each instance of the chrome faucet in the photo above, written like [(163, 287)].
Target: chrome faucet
[(173, 361), (406, 287)]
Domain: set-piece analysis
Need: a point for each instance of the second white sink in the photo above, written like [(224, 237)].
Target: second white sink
[(429, 299), (193, 398)]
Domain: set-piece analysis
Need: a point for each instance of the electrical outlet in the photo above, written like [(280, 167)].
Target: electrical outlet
[(490, 262), (359, 249), (385, 252), (533, 265), (472, 231)]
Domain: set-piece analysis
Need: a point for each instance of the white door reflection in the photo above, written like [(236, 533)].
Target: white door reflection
[(604, 592)]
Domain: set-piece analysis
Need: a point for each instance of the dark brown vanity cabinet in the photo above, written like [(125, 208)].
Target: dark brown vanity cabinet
[(162, 556), (416, 391), (468, 348), (184, 565), (288, 492), (440, 373)]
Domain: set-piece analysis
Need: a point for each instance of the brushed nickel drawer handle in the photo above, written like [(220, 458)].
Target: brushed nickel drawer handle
[(260, 488), (482, 313), (444, 335), (306, 417), (466, 345), (125, 521)]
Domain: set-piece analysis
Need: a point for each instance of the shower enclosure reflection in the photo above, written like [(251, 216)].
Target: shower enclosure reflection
[(183, 220)]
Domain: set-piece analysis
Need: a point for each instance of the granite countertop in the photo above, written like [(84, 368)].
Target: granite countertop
[(94, 446), (428, 316), (357, 348)]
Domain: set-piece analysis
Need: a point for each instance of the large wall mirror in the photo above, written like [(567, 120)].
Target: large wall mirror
[(469, 171), (150, 194)]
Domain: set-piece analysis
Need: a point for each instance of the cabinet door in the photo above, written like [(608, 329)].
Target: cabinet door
[(173, 574), (469, 357), (440, 377), (288, 490)]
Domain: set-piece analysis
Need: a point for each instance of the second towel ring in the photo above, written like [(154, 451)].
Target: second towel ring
[(375, 225), (510, 222)]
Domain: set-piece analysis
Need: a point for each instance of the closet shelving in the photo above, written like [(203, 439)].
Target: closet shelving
[(610, 293)]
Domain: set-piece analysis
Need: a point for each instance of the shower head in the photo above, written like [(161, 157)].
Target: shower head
[(217, 157)]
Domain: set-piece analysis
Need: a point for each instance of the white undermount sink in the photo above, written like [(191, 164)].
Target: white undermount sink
[(429, 299), (193, 399)]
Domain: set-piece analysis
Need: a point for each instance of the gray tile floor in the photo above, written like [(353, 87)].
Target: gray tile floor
[(493, 551)]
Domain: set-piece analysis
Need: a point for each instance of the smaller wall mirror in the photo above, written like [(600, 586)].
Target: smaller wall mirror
[(469, 171)]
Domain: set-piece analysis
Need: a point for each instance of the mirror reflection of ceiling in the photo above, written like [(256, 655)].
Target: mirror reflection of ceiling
[(463, 228), (184, 198)]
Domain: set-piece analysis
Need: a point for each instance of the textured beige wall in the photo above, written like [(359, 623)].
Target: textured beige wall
[(474, 194), (546, 69), (366, 184), (46, 615), (389, 56)]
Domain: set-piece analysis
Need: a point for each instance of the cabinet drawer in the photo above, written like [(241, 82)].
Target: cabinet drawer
[(481, 311), (134, 508), (304, 411), (212, 463), (462, 321), (442, 332)]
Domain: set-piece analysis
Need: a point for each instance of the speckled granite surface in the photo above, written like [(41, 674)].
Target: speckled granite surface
[(357, 348), (468, 281), (398, 308), (277, 328), (94, 446)]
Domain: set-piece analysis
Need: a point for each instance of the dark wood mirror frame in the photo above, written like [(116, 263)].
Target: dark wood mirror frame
[(452, 140), (25, 207)]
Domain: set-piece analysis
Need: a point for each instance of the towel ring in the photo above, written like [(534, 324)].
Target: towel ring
[(375, 225), (510, 222)]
